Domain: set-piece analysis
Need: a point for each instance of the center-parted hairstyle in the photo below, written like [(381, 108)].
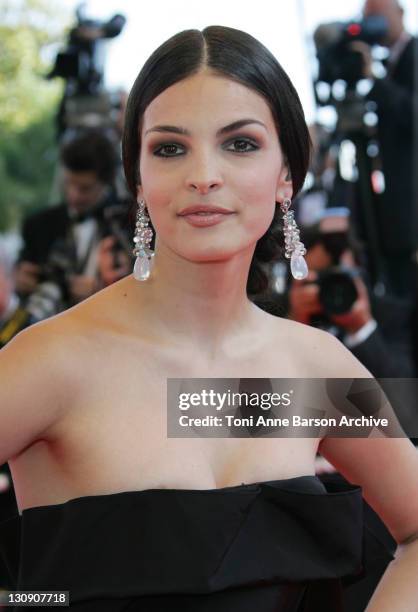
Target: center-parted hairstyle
[(239, 56)]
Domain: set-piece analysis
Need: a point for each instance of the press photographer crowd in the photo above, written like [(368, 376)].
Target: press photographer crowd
[(357, 213)]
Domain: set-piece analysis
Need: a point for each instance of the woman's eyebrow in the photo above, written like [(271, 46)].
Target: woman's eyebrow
[(228, 128)]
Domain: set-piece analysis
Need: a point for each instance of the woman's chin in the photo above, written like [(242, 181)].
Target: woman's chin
[(203, 250), (215, 257), (207, 255)]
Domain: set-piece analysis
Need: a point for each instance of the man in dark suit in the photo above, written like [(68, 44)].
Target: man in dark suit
[(396, 99), (375, 330), (69, 234)]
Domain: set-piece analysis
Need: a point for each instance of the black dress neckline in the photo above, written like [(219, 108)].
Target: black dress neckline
[(279, 482)]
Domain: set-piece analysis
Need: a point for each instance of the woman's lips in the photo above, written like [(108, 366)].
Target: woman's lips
[(205, 219)]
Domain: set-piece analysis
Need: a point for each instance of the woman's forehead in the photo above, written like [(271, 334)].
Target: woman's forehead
[(206, 96)]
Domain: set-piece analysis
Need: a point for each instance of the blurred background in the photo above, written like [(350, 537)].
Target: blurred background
[(66, 219)]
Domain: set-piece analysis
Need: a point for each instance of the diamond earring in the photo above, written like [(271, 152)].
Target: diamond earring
[(294, 248), (142, 239)]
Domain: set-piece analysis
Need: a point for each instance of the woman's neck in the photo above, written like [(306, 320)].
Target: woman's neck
[(202, 304)]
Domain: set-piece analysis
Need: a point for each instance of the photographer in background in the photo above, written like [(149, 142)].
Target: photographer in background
[(396, 97), (335, 297), (59, 258)]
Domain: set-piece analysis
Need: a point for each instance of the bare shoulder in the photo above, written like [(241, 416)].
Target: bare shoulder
[(86, 322), (35, 377), (61, 334), (42, 371), (42, 345), (335, 358), (321, 353)]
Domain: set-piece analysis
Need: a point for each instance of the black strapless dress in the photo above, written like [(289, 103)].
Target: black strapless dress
[(287, 545)]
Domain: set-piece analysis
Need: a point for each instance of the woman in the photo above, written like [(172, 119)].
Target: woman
[(112, 509)]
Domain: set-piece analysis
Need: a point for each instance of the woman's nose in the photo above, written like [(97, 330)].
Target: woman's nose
[(204, 186), (203, 176)]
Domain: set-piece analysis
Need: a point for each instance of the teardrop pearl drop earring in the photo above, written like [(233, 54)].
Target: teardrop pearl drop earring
[(294, 248), (142, 239)]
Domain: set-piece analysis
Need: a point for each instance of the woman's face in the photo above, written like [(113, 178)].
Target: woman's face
[(192, 154)]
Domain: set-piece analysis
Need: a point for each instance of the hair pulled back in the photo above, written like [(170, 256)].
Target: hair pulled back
[(239, 56)]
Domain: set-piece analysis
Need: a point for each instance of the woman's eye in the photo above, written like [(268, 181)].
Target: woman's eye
[(167, 150), (240, 145)]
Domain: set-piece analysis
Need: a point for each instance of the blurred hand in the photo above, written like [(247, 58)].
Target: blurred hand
[(360, 312), (109, 272), (26, 276), (365, 52), (304, 298), (81, 287)]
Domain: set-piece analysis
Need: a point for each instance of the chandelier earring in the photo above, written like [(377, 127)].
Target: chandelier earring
[(294, 248), (142, 239)]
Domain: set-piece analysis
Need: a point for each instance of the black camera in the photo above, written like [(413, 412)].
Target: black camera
[(52, 293), (59, 266), (333, 47), (81, 62), (337, 291), (85, 102)]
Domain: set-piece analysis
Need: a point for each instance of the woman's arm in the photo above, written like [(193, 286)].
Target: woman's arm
[(387, 471), (398, 588), (34, 368)]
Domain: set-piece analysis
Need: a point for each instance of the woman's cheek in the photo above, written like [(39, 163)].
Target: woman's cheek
[(158, 194), (158, 212), (260, 196), (260, 179)]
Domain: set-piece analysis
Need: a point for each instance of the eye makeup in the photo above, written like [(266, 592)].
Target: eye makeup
[(248, 145)]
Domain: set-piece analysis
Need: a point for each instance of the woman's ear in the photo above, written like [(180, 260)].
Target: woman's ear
[(285, 185)]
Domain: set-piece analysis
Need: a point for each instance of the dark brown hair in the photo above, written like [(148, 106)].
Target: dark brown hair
[(91, 151)]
